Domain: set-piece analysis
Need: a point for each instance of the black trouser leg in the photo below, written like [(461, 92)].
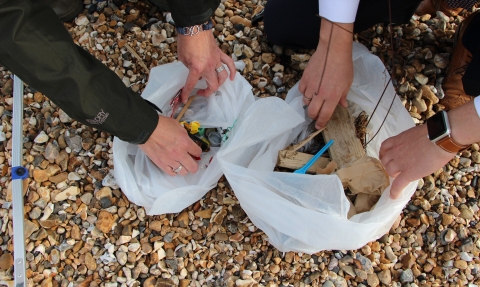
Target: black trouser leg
[(471, 41), (296, 23), (35, 46)]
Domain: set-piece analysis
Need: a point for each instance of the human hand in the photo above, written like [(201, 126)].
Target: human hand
[(169, 147), (410, 156), (325, 84), (202, 57)]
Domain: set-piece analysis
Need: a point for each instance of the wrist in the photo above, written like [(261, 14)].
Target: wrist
[(339, 34), (465, 123), (195, 29)]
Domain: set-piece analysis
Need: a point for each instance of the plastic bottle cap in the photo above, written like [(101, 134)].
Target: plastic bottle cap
[(215, 139)]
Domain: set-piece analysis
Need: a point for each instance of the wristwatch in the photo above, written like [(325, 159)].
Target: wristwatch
[(440, 134), (195, 29)]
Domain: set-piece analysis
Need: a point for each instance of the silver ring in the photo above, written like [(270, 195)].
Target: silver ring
[(219, 69), (178, 169), (307, 98)]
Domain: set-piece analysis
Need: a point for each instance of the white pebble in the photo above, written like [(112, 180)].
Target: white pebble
[(42, 137)]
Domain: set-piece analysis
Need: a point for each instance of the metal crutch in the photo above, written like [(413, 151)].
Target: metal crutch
[(19, 173)]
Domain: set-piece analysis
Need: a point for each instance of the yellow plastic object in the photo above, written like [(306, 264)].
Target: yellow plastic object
[(194, 127)]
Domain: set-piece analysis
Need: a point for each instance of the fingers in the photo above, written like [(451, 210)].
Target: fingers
[(392, 168), (166, 168), (190, 83), (178, 167), (398, 185), (224, 58), (222, 77), (212, 83), (343, 101), (384, 148), (325, 113)]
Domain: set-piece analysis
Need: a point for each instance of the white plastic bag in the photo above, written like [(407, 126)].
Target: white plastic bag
[(143, 182), (307, 213)]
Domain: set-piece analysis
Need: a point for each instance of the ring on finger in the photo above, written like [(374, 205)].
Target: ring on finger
[(178, 169), (219, 69), (307, 98)]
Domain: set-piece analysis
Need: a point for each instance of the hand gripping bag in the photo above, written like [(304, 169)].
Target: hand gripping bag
[(142, 181), (308, 213)]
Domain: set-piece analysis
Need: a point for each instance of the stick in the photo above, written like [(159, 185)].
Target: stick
[(190, 100), (134, 53), (306, 140)]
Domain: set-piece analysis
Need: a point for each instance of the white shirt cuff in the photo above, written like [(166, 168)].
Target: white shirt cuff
[(341, 11), (477, 104)]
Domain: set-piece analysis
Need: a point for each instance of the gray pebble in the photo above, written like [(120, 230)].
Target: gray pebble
[(406, 276)]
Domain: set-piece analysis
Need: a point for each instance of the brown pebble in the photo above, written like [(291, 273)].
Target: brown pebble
[(6, 261), (206, 213), (105, 221)]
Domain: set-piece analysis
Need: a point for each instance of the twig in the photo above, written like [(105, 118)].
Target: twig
[(190, 100), (134, 53), (306, 140)]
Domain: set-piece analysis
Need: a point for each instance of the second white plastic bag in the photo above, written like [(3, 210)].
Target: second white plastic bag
[(308, 213)]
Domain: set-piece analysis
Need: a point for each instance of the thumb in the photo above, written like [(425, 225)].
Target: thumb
[(398, 185)]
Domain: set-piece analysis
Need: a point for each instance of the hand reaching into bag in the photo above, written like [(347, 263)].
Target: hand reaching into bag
[(326, 84), (203, 58), (411, 155), (171, 149)]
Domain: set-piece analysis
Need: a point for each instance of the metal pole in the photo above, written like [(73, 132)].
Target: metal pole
[(18, 174)]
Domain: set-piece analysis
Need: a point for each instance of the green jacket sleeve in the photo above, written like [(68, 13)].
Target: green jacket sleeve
[(37, 48), (192, 12)]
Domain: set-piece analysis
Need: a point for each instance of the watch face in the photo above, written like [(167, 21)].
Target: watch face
[(438, 126)]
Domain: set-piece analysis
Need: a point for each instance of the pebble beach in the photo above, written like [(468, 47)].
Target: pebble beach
[(81, 230)]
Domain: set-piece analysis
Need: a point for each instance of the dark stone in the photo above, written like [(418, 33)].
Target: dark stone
[(421, 278), (92, 8), (180, 252), (232, 227), (238, 27), (412, 207), (172, 263), (474, 181), (128, 26), (128, 9), (168, 237), (105, 202)]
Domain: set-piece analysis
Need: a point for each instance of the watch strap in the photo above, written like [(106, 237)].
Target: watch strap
[(195, 29), (450, 145)]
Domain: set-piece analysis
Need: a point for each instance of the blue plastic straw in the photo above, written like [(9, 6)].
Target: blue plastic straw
[(304, 169)]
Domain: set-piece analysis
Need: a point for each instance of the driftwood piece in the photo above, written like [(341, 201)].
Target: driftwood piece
[(139, 59), (347, 148), (295, 160)]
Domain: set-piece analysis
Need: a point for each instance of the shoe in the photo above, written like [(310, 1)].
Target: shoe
[(452, 85), (66, 10), (432, 6)]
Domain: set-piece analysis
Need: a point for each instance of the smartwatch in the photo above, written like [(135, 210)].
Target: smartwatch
[(195, 29), (439, 133)]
